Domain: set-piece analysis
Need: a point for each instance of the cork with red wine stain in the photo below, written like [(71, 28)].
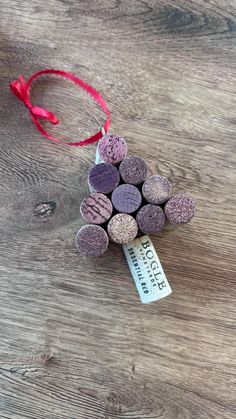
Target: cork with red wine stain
[(96, 208), (104, 178), (126, 198), (150, 219), (156, 189), (122, 228), (180, 209), (112, 148), (92, 240), (133, 170)]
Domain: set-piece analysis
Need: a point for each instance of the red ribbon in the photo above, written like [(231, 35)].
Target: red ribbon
[(21, 90)]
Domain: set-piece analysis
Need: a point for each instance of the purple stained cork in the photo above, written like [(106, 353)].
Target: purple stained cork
[(112, 148), (92, 240), (104, 177), (156, 189), (133, 170), (96, 208), (122, 228), (150, 219), (179, 209), (126, 198)]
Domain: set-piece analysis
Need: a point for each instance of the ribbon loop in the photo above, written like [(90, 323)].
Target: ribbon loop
[(21, 89), (18, 90)]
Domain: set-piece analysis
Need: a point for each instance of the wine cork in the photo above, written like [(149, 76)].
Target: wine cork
[(92, 240), (126, 198), (104, 178), (156, 189), (96, 208), (180, 209), (122, 228), (112, 148), (150, 219), (133, 170)]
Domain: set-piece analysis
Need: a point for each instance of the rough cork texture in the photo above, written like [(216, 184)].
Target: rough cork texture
[(150, 219), (180, 209), (126, 198), (92, 240), (122, 228), (104, 177), (96, 208), (133, 170), (156, 189), (112, 148)]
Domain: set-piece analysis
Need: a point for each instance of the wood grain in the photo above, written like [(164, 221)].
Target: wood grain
[(76, 343)]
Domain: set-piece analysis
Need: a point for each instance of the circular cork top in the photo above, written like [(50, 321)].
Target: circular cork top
[(122, 228), (126, 198), (156, 189), (104, 177), (112, 148), (150, 219), (180, 209), (96, 208), (133, 170), (92, 240)]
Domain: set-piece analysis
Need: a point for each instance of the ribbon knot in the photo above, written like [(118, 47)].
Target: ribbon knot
[(21, 90)]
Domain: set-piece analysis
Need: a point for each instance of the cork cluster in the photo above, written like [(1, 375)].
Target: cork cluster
[(124, 202)]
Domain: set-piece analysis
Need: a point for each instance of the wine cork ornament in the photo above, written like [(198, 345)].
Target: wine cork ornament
[(150, 219), (112, 148), (104, 178), (156, 189), (180, 209), (96, 208), (133, 170), (92, 240), (126, 198), (122, 228)]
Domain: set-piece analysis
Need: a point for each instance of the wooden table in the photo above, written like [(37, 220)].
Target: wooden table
[(76, 342)]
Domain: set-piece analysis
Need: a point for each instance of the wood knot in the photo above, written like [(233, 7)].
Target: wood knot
[(44, 210), (48, 360)]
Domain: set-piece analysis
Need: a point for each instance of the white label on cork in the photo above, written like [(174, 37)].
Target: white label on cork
[(146, 269), (91, 189), (98, 159)]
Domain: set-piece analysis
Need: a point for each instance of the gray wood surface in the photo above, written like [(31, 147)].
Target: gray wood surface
[(76, 343)]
